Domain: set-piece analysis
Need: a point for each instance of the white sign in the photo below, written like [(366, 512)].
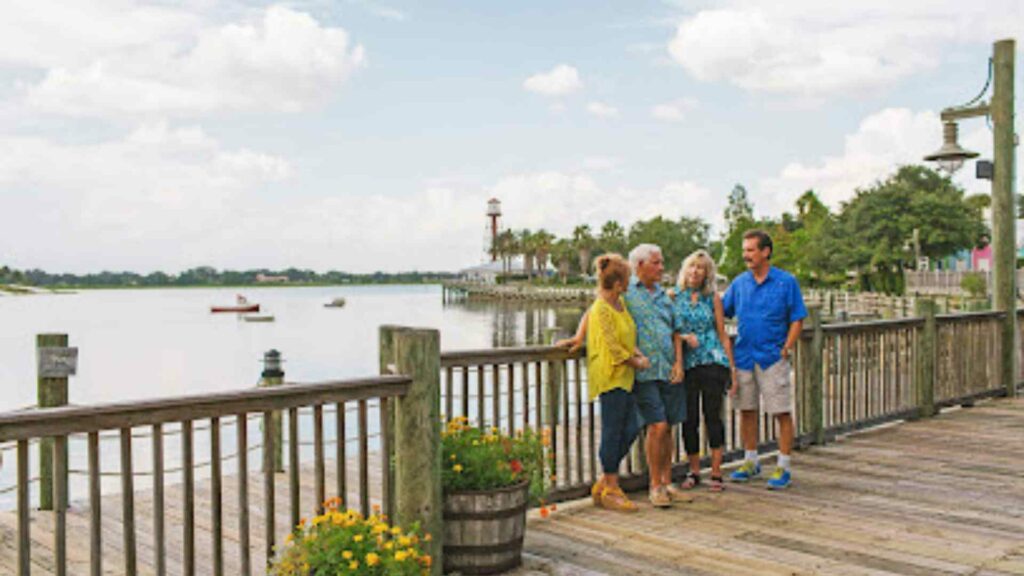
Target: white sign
[(57, 362)]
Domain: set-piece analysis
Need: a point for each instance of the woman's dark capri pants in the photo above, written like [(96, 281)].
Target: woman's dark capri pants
[(707, 383)]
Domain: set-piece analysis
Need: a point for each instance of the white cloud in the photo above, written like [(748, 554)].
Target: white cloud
[(115, 201), (559, 81), (282, 61), (673, 111), (812, 49), (883, 141), (558, 201), (602, 110)]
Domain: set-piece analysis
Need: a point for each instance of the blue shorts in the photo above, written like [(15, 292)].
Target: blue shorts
[(660, 401)]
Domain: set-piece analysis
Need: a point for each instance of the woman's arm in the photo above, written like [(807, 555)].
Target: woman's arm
[(725, 340), (677, 367), (577, 340)]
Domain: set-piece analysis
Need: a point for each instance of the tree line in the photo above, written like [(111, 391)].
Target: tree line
[(865, 244), (209, 276)]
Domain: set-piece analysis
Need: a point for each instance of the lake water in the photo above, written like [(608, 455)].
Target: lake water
[(136, 344), (151, 343)]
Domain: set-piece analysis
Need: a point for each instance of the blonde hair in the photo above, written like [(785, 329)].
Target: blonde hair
[(707, 287), (611, 268)]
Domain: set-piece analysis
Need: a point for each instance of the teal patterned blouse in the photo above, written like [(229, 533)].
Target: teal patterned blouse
[(699, 318)]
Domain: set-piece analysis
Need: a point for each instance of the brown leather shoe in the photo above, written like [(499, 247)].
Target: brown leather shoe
[(678, 494), (615, 499), (595, 491), (659, 497)]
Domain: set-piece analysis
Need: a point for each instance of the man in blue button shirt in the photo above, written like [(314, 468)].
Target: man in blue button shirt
[(767, 303)]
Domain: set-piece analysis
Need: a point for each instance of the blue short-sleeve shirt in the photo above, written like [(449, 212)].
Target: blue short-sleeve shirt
[(652, 312), (764, 312)]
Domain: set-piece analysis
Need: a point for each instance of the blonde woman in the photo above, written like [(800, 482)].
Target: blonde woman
[(708, 362), (612, 358)]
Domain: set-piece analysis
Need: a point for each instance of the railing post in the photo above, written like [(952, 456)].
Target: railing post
[(815, 380), (553, 400), (273, 375), (387, 366), (51, 391), (926, 359), (418, 438)]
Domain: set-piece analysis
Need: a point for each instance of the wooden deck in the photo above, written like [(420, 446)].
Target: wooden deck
[(938, 496), (933, 497)]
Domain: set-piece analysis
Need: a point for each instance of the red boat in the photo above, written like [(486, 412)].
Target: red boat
[(246, 308), (243, 305)]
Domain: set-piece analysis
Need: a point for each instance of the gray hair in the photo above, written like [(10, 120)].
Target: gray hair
[(642, 253), (707, 288)]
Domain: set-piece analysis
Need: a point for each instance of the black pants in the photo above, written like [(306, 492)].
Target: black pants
[(706, 383)]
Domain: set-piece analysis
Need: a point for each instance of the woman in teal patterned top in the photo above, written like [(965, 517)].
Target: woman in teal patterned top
[(708, 362)]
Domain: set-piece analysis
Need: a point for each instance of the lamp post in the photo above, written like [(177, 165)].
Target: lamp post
[(1004, 246)]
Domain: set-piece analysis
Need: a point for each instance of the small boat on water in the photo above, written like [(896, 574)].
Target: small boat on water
[(338, 302), (258, 317), (242, 305)]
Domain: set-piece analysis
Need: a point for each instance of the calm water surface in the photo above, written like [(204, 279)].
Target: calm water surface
[(136, 344), (152, 343)]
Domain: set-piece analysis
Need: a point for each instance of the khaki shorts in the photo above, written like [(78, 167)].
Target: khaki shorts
[(773, 383)]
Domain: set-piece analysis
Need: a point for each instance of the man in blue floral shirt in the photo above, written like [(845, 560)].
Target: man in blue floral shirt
[(660, 400)]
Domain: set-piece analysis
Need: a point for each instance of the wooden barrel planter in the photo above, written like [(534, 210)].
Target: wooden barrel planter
[(483, 531)]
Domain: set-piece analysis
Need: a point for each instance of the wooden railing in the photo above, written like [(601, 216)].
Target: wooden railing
[(846, 376), (226, 414)]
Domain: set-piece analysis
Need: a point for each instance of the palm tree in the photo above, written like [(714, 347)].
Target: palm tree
[(562, 251), (583, 241), (542, 240), (612, 238), (507, 247), (526, 249)]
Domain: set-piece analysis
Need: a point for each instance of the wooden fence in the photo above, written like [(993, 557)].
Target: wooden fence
[(847, 376)]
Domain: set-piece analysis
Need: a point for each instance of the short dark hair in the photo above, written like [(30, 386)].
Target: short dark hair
[(611, 268), (763, 240)]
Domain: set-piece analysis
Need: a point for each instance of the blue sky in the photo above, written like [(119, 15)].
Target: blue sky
[(363, 135)]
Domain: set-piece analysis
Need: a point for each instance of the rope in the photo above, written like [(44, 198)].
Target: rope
[(13, 487)]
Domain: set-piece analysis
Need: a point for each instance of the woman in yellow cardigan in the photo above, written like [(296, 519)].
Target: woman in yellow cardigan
[(612, 356)]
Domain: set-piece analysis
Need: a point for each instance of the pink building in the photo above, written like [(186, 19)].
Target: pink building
[(981, 259)]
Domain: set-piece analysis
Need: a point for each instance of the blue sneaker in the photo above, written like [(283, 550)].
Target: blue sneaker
[(779, 479), (746, 471)]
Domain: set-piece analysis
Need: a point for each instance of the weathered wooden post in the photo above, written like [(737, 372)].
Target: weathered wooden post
[(273, 375), (418, 437), (926, 358), (815, 379), (388, 365), (55, 361), (553, 398)]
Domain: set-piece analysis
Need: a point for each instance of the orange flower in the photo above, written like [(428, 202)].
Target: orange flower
[(544, 512)]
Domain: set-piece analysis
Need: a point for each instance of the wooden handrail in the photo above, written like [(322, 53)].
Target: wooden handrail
[(81, 419)]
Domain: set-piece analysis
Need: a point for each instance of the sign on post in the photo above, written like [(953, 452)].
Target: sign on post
[(57, 362)]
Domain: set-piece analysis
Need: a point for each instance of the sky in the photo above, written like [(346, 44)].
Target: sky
[(360, 135)]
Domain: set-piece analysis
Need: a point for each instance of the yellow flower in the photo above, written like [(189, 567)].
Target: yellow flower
[(389, 545), (353, 565), (401, 555), (380, 529), (357, 538), (396, 530), (404, 541), (372, 559), (457, 468), (347, 554), (453, 457)]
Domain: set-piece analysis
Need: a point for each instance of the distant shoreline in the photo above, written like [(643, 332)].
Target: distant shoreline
[(9, 290)]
